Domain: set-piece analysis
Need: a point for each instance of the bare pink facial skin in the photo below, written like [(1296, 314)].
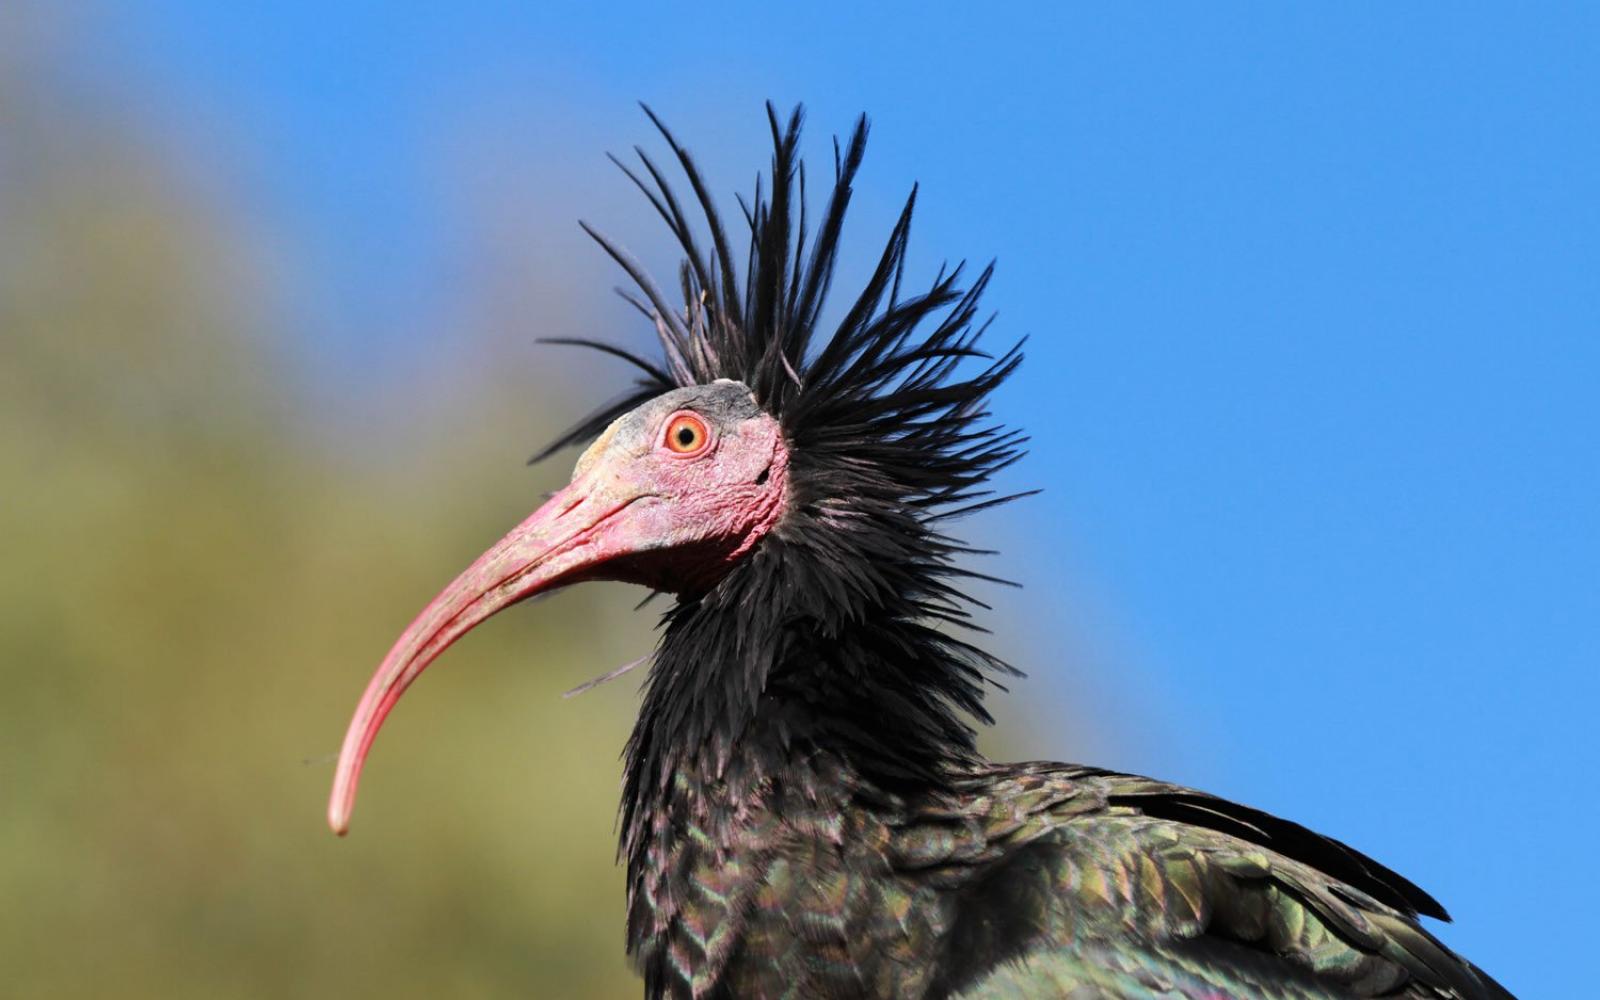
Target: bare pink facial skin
[(636, 510)]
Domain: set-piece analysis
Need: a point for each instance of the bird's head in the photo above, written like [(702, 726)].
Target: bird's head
[(826, 466), (671, 495)]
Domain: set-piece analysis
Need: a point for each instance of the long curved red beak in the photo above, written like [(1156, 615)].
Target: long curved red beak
[(560, 543)]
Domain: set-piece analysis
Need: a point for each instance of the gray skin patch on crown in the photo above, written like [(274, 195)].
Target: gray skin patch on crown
[(724, 403)]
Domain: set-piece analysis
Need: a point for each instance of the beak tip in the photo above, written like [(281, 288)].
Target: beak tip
[(339, 817)]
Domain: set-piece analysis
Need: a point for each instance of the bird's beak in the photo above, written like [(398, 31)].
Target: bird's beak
[(562, 542)]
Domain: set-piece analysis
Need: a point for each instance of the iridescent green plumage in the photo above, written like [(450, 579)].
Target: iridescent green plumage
[(1034, 880)]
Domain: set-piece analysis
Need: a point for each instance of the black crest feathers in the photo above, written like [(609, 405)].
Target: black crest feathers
[(889, 438), (887, 375)]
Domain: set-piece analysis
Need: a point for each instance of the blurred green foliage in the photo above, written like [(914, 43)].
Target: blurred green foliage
[(195, 579)]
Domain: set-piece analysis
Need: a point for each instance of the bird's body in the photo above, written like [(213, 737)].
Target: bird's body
[(1026, 880), (805, 813)]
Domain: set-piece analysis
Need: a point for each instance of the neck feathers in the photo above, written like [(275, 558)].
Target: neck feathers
[(770, 677)]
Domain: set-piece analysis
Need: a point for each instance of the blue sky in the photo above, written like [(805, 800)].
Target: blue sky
[(1314, 316)]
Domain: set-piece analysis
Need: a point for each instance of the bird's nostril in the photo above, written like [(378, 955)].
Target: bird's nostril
[(761, 480)]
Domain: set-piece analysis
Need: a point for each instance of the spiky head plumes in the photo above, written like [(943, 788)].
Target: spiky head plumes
[(851, 606)]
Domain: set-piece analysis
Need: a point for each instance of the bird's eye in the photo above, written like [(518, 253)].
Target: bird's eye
[(687, 434)]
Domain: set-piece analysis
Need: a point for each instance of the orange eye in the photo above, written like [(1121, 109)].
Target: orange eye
[(687, 434)]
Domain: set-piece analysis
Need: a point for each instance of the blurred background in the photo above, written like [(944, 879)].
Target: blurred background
[(1314, 325)]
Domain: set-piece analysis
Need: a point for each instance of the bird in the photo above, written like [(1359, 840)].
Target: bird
[(805, 812)]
